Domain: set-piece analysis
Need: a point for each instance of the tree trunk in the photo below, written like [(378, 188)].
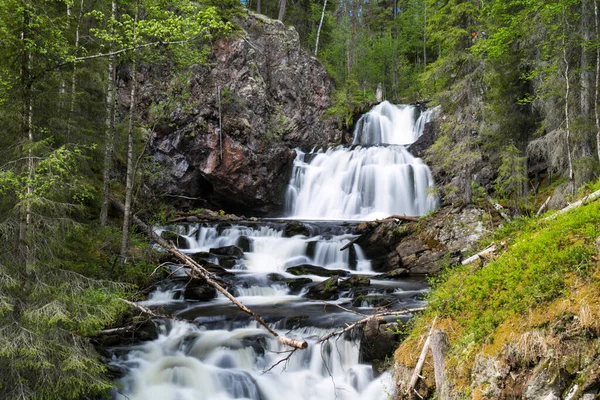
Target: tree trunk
[(281, 10), (74, 72), (320, 25), (109, 131), (439, 346), (130, 167), (258, 7), (425, 35), (567, 92), (585, 74), (597, 80)]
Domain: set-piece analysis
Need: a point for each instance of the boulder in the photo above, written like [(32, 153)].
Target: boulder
[(295, 228), (326, 290), (378, 342), (307, 269), (233, 251), (199, 291), (179, 241)]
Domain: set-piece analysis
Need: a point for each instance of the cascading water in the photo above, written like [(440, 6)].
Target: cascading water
[(365, 183), (213, 351)]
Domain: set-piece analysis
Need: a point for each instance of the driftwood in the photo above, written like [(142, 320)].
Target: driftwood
[(144, 310), (439, 345), (483, 254), (543, 207), (587, 199), (417, 372), (363, 321), (401, 218), (197, 269), (350, 243)]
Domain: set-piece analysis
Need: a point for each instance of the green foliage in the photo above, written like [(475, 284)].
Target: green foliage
[(534, 270), (511, 174)]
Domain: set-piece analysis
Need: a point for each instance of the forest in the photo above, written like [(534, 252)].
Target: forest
[(517, 81)]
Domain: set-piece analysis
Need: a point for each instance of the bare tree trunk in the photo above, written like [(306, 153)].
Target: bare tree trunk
[(110, 129), (567, 92), (281, 10), (258, 7), (597, 80), (26, 138), (74, 72), (320, 25), (425, 35), (439, 346), (130, 166), (585, 76)]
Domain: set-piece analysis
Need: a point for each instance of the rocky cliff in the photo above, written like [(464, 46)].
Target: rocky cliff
[(269, 96)]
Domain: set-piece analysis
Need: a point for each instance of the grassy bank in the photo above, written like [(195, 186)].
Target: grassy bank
[(538, 299)]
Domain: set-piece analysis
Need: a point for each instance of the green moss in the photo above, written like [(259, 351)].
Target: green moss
[(534, 270)]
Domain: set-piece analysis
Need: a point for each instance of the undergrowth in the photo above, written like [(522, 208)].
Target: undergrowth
[(541, 263)]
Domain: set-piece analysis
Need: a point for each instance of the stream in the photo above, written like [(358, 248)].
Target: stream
[(292, 273)]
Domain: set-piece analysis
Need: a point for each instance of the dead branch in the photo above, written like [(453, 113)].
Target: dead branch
[(142, 309), (350, 243), (543, 207), (285, 359), (416, 373), (363, 321), (587, 199), (483, 254), (207, 276)]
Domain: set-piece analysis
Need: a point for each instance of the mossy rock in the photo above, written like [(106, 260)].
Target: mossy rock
[(295, 228), (326, 290), (355, 281), (307, 269), (179, 241), (298, 284)]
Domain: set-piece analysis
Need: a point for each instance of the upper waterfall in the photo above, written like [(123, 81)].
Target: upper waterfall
[(365, 183), (387, 123)]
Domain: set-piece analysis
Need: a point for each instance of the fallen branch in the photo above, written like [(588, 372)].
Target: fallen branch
[(207, 276), (144, 310), (587, 199), (416, 373), (363, 321), (485, 253), (350, 243), (401, 218), (285, 359), (543, 207)]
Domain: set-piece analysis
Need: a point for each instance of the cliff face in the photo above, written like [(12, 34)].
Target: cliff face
[(273, 98)]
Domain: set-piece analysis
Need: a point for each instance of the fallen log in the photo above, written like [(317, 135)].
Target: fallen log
[(417, 372), (401, 218), (363, 321), (543, 207), (485, 253), (207, 276), (439, 346), (350, 243), (587, 199)]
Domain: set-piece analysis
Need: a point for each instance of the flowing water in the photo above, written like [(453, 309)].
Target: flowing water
[(213, 351), (365, 183)]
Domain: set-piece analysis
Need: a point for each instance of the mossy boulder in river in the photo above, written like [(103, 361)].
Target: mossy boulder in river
[(307, 269)]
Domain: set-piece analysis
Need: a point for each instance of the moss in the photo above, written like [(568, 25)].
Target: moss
[(540, 297)]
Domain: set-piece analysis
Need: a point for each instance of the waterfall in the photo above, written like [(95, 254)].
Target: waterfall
[(365, 183)]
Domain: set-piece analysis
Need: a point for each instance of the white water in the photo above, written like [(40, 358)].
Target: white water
[(365, 183), (190, 363), (269, 251)]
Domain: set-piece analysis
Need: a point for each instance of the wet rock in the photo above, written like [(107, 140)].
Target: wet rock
[(199, 291), (397, 273), (326, 290), (227, 261), (307, 269), (371, 301), (244, 243), (378, 342), (201, 257), (296, 285), (135, 332), (227, 251), (179, 241), (295, 228), (355, 281)]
